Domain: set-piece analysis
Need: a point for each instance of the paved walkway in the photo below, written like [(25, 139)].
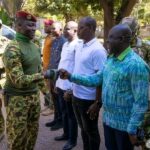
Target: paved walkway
[(46, 137), (45, 140)]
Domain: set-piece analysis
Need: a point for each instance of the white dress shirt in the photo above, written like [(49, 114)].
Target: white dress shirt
[(89, 58), (67, 63)]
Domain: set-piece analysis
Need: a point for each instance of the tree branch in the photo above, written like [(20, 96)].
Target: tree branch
[(125, 9)]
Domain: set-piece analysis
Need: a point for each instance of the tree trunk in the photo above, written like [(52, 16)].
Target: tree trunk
[(12, 6), (125, 9), (110, 19)]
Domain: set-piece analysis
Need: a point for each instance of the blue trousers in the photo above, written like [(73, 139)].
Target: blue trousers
[(70, 126)]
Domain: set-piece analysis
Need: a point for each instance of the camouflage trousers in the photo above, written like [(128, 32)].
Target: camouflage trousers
[(22, 121), (1, 123), (1, 119)]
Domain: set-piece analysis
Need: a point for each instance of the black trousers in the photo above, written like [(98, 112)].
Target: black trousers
[(116, 140), (89, 128)]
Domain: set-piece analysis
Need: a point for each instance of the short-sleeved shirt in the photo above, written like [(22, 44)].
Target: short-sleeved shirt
[(56, 49), (67, 62), (89, 58)]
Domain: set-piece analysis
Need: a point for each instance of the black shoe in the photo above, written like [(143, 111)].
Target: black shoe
[(57, 126), (50, 124), (69, 146), (61, 138)]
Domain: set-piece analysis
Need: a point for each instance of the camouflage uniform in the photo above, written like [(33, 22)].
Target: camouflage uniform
[(23, 77), (3, 43), (142, 48)]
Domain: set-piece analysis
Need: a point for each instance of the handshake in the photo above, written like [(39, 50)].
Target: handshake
[(53, 74)]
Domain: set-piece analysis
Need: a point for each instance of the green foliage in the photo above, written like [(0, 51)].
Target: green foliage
[(141, 12), (69, 9), (4, 17)]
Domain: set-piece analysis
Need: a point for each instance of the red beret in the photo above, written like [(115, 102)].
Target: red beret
[(26, 16), (48, 22)]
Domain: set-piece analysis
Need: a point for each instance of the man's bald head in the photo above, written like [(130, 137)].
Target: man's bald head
[(70, 30), (119, 38), (90, 22), (72, 24), (121, 30), (131, 22), (57, 28)]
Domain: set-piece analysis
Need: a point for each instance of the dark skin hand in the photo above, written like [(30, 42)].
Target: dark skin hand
[(64, 74), (134, 140), (68, 95), (93, 110)]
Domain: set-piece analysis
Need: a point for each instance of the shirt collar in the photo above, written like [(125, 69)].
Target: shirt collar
[(21, 37), (124, 53), (89, 43)]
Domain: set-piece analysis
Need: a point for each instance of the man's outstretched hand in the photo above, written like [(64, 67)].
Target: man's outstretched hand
[(64, 74)]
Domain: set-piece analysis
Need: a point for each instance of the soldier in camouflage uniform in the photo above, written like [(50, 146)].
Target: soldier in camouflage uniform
[(143, 49), (140, 46), (22, 63), (3, 42)]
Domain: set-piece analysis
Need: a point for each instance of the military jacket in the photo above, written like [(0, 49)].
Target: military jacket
[(22, 63), (142, 48)]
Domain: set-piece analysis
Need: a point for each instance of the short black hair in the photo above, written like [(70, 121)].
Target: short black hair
[(90, 22)]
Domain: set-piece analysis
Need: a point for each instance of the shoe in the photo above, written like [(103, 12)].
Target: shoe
[(47, 112), (50, 124), (69, 146), (57, 126), (61, 138)]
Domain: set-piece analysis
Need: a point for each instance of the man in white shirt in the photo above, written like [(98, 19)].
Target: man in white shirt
[(89, 58), (64, 87)]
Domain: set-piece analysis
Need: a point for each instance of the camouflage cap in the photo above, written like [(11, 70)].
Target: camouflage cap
[(131, 22), (26, 16)]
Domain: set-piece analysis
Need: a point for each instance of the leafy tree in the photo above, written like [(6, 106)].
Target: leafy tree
[(141, 12), (69, 9), (114, 11), (4, 17)]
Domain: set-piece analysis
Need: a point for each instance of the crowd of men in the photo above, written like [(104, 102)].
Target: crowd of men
[(80, 76)]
